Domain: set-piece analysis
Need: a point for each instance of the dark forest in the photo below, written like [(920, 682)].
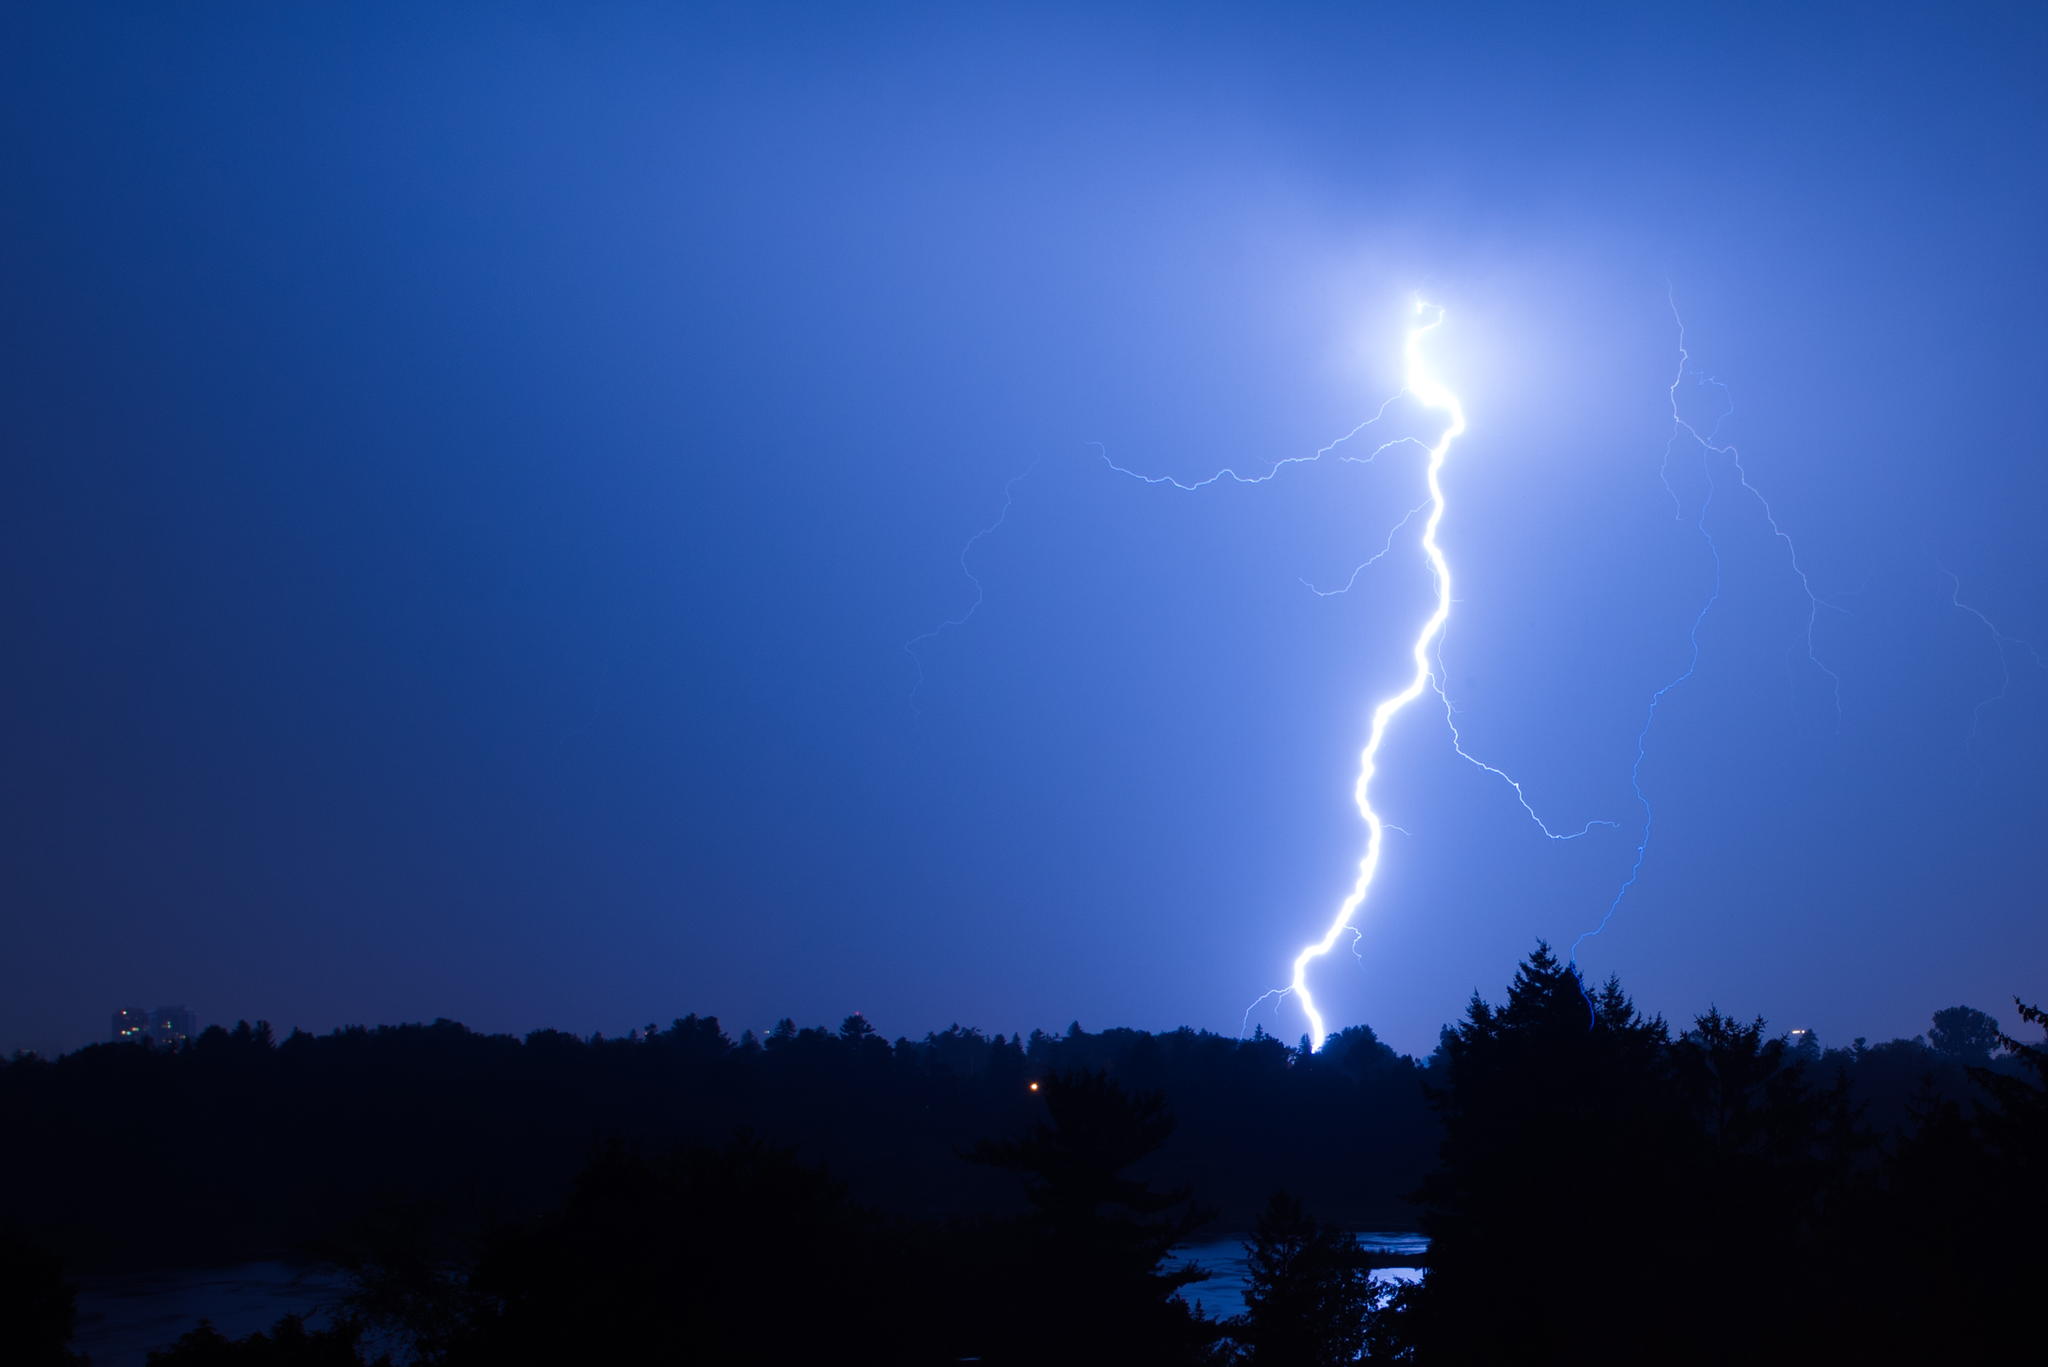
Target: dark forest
[(1597, 1185)]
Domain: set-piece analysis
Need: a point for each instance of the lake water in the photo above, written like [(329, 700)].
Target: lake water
[(121, 1318), (1223, 1294)]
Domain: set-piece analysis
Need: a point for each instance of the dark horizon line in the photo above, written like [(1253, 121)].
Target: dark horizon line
[(637, 1034)]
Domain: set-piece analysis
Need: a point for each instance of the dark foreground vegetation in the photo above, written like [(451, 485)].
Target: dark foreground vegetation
[(1598, 1187)]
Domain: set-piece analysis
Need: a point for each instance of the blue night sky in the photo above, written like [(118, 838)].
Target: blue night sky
[(472, 474)]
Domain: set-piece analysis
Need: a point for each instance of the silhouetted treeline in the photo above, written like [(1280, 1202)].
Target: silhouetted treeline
[(742, 1255), (238, 1146), (1598, 1186), (1614, 1190)]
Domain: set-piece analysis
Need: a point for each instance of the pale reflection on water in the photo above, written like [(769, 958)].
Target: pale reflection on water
[(1223, 1294)]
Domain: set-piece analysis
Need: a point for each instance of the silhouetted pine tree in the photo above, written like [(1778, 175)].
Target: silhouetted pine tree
[(1086, 1268), (1309, 1299), (1560, 1125)]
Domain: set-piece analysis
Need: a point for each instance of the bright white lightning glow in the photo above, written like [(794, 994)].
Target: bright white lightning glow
[(1431, 393)]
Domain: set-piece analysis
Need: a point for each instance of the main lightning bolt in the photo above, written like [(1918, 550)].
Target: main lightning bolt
[(1430, 392), (1426, 652), (1422, 384)]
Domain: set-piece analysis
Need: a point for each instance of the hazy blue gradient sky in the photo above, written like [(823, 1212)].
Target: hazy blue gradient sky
[(472, 470)]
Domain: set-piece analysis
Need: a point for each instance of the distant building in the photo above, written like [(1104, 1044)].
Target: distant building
[(172, 1025), (167, 1025)]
